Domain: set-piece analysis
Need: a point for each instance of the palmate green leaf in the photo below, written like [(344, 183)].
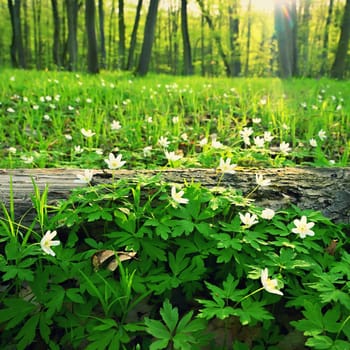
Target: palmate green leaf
[(27, 333), (252, 311), (182, 227), (157, 329), (184, 341), (330, 319), (169, 315), (159, 344), (100, 340), (13, 271), (74, 295), (15, 311), (320, 342), (215, 308), (105, 324), (44, 327)]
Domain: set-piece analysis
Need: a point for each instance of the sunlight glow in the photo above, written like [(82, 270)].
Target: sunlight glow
[(263, 5)]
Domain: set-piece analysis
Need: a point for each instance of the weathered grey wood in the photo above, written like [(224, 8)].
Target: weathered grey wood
[(324, 189)]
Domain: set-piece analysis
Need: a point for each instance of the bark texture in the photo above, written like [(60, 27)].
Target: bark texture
[(323, 189)]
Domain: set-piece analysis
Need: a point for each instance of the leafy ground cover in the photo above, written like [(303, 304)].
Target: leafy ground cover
[(60, 119), (149, 265)]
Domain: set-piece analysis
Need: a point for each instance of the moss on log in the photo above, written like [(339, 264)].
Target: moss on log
[(323, 189)]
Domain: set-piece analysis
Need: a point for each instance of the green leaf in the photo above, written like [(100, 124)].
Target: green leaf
[(159, 344), (157, 329), (44, 328), (170, 315), (320, 342), (16, 311), (330, 319), (106, 324), (74, 295), (27, 333)]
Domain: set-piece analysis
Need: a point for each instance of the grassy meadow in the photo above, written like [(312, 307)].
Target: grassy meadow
[(148, 265), (200, 119)]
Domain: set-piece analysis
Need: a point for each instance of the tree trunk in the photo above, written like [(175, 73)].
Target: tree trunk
[(234, 39), (72, 43), (338, 68), (101, 18), (304, 31), (188, 66), (217, 38), (249, 35), (111, 37), (323, 189), (324, 66), (16, 50), (27, 33), (285, 27), (133, 38), (92, 55), (148, 38), (121, 27), (56, 34)]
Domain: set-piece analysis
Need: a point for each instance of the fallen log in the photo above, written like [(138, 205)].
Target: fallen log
[(323, 189)]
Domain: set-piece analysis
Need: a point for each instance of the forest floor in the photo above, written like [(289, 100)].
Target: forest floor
[(152, 264)]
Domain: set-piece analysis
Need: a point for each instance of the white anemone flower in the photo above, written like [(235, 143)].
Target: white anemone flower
[(86, 177), (248, 219), (114, 162), (47, 242), (226, 167), (260, 181), (268, 214), (322, 134), (172, 156), (163, 142), (303, 228), (87, 133), (313, 143), (115, 125), (178, 196), (270, 285), (284, 147)]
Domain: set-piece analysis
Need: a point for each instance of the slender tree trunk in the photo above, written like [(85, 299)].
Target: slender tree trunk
[(324, 66), (249, 31), (56, 34), (111, 36), (101, 17), (26, 35), (338, 68), (285, 27), (72, 43), (133, 38), (217, 37), (148, 38), (202, 45), (92, 55), (234, 39), (121, 27), (18, 58), (304, 31), (38, 45), (188, 66)]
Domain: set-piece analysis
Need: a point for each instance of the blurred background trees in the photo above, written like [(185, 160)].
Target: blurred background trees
[(293, 38)]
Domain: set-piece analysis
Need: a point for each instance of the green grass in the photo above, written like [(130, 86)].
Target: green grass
[(294, 111)]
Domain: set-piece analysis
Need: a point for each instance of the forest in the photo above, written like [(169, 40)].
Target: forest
[(305, 38), (174, 174)]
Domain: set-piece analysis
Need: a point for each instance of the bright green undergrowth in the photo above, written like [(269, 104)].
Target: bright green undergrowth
[(143, 265), (203, 119)]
